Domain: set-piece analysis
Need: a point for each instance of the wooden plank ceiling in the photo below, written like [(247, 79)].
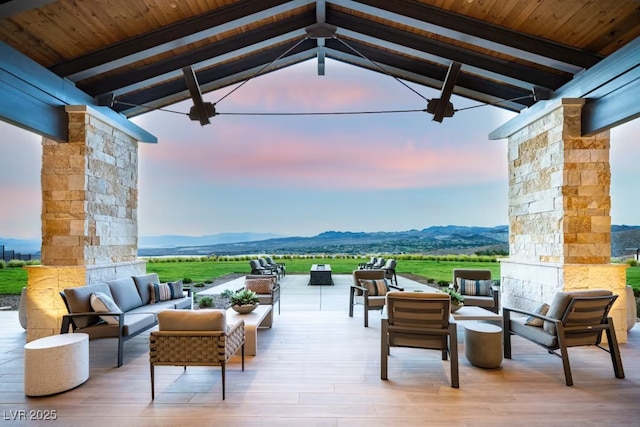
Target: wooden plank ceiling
[(135, 51)]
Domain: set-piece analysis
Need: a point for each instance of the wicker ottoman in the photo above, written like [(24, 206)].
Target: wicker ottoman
[(55, 364), (483, 344)]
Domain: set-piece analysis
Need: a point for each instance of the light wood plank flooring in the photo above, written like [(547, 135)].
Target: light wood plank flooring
[(318, 367)]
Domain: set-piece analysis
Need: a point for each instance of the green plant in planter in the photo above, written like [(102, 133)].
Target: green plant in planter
[(456, 297), (244, 297)]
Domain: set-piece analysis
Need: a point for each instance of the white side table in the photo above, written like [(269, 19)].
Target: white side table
[(483, 344), (55, 364)]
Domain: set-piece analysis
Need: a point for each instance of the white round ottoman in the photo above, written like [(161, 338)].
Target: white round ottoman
[(483, 344), (55, 364)]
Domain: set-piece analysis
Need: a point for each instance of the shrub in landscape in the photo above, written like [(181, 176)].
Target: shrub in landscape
[(16, 263), (205, 302)]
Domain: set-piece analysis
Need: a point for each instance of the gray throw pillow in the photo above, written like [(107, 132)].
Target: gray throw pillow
[(102, 303)]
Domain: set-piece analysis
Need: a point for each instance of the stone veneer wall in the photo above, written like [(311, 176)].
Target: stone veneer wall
[(559, 213), (559, 183), (89, 215), (89, 194)]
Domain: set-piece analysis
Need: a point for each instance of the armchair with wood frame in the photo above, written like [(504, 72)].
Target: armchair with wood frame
[(369, 289), (478, 288), (573, 319), (419, 320), (268, 292)]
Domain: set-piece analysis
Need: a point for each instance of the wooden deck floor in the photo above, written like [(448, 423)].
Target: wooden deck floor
[(318, 367)]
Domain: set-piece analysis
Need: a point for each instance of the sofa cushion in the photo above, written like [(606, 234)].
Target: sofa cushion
[(133, 324), (535, 321), (187, 320), (259, 286), (102, 303), (159, 292), (177, 289), (561, 301), (376, 287), (474, 287), (79, 301), (142, 283), (125, 293)]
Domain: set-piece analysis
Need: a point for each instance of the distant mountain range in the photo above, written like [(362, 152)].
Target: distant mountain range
[(172, 241), (451, 239)]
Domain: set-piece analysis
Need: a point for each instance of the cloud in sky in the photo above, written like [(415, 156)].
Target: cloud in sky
[(301, 175)]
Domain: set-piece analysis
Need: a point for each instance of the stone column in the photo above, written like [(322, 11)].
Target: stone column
[(559, 214), (89, 215)]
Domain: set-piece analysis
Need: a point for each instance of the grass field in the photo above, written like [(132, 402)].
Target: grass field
[(13, 279)]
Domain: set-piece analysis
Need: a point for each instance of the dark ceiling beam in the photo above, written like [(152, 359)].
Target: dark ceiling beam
[(598, 84), (453, 53), (428, 82), (14, 7), (613, 109), (466, 83), (167, 91), (173, 36), (321, 17), (223, 82), (33, 98), (407, 51), (193, 57), (482, 34)]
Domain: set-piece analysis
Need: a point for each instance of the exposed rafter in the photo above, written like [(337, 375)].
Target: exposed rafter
[(173, 36), (503, 55)]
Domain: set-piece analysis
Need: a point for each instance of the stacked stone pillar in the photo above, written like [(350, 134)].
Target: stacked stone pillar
[(559, 214), (89, 215)]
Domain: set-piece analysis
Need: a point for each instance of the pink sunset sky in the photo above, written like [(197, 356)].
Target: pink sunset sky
[(302, 175)]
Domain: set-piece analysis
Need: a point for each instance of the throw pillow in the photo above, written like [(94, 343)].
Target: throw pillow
[(176, 289), (534, 321), (259, 286), (102, 303), (376, 287), (474, 287), (159, 292)]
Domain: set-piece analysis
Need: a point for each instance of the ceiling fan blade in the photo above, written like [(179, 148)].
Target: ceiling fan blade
[(441, 110), (200, 110)]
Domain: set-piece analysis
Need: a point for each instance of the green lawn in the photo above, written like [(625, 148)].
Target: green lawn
[(13, 279)]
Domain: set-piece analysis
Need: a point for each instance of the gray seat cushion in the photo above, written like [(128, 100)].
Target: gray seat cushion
[(479, 301), (133, 323), (533, 333)]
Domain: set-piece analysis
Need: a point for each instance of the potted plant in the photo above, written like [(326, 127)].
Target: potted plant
[(244, 301), (457, 299)]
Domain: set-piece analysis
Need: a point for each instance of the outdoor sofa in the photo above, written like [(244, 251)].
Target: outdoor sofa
[(138, 300)]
